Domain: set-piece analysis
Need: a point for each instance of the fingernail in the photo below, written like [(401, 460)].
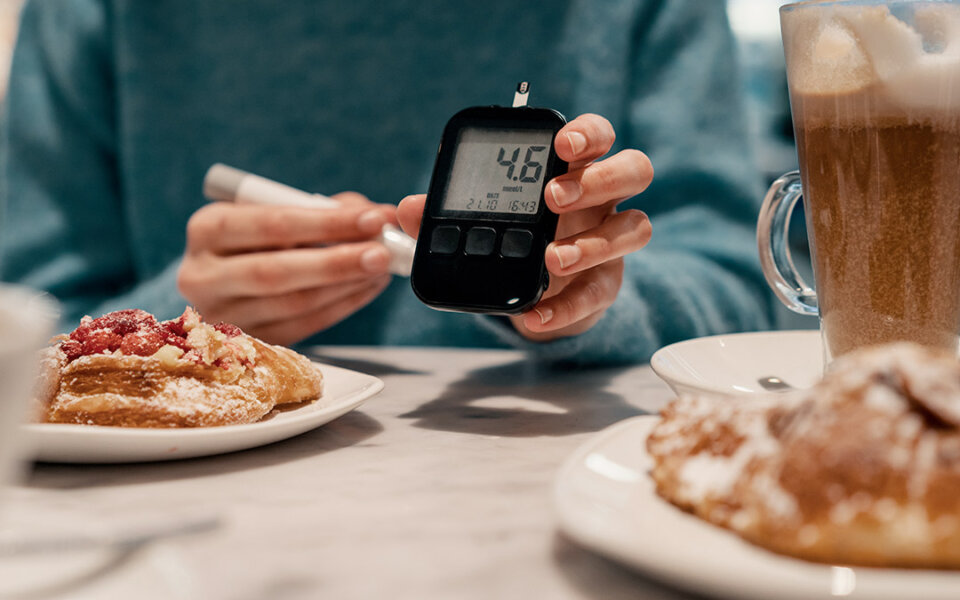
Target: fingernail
[(375, 260), (568, 254), (371, 221), (545, 314), (565, 192), (578, 142)]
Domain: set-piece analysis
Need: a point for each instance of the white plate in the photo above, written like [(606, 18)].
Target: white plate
[(343, 390), (605, 500), (734, 364)]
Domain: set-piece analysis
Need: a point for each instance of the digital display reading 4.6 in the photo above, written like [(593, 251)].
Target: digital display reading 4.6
[(498, 171)]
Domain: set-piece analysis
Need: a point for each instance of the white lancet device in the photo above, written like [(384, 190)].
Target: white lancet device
[(226, 184)]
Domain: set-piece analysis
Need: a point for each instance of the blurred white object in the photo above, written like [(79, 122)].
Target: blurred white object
[(755, 19), (9, 19), (27, 318), (227, 184)]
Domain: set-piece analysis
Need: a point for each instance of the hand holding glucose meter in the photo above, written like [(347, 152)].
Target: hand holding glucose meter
[(485, 225)]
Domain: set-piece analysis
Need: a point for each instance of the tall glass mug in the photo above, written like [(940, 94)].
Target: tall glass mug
[(875, 96)]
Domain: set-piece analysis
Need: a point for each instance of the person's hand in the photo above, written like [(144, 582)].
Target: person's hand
[(586, 259), (262, 267)]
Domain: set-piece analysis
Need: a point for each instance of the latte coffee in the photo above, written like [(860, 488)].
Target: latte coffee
[(875, 96), (882, 200)]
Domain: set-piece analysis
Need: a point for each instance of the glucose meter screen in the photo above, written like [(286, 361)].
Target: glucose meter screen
[(498, 171)]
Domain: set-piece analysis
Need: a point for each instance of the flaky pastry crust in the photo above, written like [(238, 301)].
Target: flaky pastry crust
[(862, 469), (174, 388)]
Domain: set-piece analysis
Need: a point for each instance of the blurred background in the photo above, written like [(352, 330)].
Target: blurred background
[(756, 25), (9, 11)]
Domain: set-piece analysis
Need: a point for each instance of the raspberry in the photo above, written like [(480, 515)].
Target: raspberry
[(120, 322), (175, 340), (133, 331), (100, 341), (136, 333), (175, 327), (142, 344), (228, 329), (174, 333), (123, 322), (73, 349), (82, 332)]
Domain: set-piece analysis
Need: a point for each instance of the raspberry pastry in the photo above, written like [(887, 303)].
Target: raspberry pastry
[(863, 468), (127, 369)]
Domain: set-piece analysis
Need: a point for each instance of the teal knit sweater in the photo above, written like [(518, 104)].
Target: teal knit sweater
[(117, 108)]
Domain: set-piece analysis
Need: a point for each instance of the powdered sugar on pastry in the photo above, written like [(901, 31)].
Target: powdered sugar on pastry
[(863, 468), (128, 369)]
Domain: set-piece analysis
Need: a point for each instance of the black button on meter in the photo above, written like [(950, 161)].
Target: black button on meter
[(445, 239), (481, 241), (488, 180), (516, 243)]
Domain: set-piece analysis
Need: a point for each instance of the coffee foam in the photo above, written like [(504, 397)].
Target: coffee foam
[(840, 49)]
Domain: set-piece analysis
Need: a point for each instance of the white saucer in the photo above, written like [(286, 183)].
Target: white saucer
[(343, 390), (605, 501), (734, 364)]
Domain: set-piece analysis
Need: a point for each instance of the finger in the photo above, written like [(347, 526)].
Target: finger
[(410, 213), (557, 284), (283, 271), (290, 331), (586, 138), (356, 199), (623, 175), (349, 198), (619, 235), (591, 292), (227, 228), (258, 311)]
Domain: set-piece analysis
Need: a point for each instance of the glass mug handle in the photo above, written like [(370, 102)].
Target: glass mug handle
[(775, 259)]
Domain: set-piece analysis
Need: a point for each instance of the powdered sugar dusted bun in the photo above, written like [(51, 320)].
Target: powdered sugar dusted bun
[(863, 468), (127, 369)]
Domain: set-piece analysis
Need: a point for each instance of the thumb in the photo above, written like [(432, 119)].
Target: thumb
[(410, 213)]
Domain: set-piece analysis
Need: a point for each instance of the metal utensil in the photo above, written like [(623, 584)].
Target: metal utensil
[(772, 383)]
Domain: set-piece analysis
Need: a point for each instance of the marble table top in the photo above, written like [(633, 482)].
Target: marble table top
[(439, 487)]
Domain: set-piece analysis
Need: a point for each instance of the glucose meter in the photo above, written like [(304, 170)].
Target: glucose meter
[(485, 225)]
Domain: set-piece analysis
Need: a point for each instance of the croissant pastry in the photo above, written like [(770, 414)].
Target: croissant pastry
[(862, 469)]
